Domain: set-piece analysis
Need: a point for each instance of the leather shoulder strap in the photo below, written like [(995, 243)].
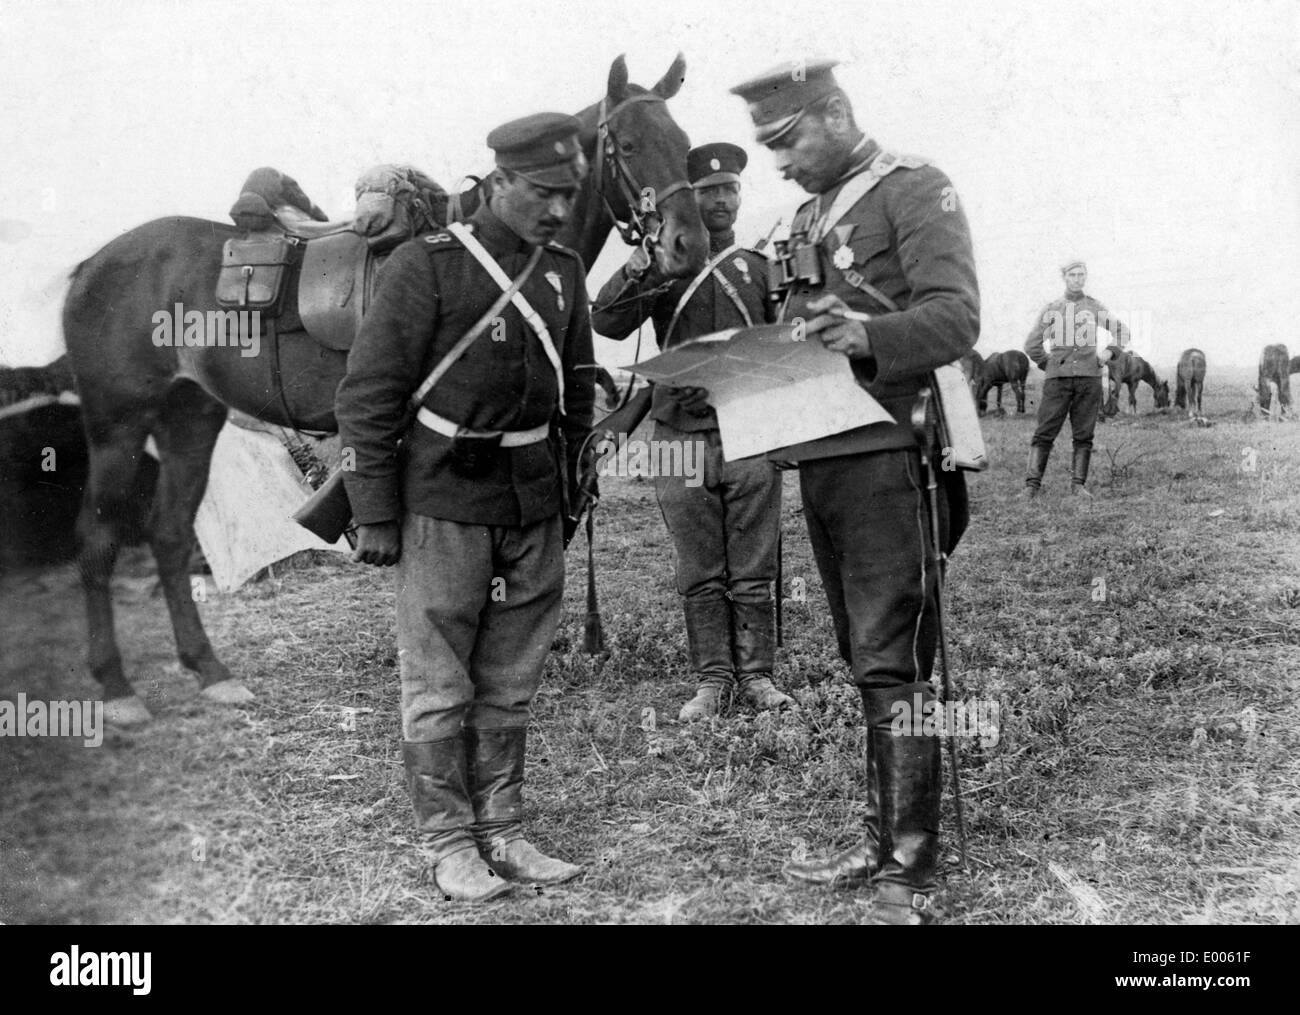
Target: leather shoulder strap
[(691, 290), (525, 308), (480, 326)]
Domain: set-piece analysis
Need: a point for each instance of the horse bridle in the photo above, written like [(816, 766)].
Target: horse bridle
[(643, 220)]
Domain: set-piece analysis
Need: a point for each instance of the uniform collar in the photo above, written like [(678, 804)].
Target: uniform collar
[(1076, 297), (495, 235), (718, 242), (862, 155)]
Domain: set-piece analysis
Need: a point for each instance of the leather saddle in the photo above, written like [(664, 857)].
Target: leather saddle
[(317, 277)]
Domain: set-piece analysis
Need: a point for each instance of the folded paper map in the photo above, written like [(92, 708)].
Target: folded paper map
[(770, 389)]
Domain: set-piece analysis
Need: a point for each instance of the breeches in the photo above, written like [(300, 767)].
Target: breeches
[(477, 609), (1077, 397), (724, 519), (869, 524)]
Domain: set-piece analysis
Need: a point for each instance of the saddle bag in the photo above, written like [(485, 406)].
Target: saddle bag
[(255, 272)]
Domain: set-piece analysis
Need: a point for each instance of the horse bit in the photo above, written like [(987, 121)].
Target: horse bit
[(644, 220)]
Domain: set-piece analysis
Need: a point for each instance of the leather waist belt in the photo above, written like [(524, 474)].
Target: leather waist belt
[(509, 438)]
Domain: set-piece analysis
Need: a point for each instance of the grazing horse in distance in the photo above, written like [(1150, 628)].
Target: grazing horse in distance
[(1191, 382), (1129, 371), (1274, 368), (1010, 367), (1294, 367), (133, 387)]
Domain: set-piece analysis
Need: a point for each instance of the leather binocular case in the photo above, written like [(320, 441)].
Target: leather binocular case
[(473, 457)]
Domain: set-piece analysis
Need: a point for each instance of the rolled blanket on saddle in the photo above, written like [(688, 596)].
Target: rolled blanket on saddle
[(265, 192), (392, 200)]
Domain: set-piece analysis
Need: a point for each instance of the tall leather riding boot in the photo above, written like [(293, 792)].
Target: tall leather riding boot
[(1038, 455), (496, 780), (1082, 459), (910, 773), (436, 776), (856, 865), (708, 636), (752, 650)]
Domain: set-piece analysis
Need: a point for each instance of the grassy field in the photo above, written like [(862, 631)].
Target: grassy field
[(1147, 767)]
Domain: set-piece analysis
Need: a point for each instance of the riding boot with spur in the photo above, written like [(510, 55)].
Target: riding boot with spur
[(496, 779), (910, 774), (1082, 459), (856, 865), (708, 637), (1038, 455), (752, 651), (437, 778)]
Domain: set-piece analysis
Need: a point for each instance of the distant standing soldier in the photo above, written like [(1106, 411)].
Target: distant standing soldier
[(725, 530), (469, 507), (1063, 342)]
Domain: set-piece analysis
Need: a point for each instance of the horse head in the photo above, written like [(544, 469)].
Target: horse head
[(638, 164), (1161, 391), (398, 198)]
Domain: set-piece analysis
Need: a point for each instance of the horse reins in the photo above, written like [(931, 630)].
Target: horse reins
[(643, 221)]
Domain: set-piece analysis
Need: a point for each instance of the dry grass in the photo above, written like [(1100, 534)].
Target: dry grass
[(1146, 772)]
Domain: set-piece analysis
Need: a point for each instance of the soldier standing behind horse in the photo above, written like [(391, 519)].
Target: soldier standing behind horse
[(1063, 343), (469, 507), (725, 530), (882, 271)]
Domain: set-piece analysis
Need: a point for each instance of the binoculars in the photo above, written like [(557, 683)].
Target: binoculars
[(799, 261)]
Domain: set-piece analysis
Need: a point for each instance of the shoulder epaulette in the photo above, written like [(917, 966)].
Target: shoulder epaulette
[(443, 240), (886, 162)]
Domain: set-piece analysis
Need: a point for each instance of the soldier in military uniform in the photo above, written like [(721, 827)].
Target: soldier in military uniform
[(724, 530), (1063, 342), (469, 506), (882, 271)]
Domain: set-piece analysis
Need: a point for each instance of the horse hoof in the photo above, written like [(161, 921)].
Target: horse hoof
[(228, 692), (126, 711)]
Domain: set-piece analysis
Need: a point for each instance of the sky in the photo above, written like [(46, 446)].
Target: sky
[(1157, 141)]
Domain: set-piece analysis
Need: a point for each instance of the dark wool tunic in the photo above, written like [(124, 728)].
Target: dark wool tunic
[(431, 292)]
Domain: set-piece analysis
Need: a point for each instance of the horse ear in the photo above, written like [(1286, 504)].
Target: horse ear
[(671, 83), (616, 89)]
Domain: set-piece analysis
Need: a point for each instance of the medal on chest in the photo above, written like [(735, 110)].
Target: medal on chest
[(842, 258), (743, 268), (554, 278)]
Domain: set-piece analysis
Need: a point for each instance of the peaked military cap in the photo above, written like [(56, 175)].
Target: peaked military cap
[(780, 95), (1072, 262), (712, 164), (542, 148)]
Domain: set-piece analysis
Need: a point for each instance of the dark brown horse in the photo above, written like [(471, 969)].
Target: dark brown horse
[(1131, 370), (1191, 382), (1010, 367), (132, 387), (1275, 368)]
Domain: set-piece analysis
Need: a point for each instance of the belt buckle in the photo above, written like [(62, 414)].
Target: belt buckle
[(920, 902)]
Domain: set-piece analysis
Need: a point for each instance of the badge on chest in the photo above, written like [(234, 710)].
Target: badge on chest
[(558, 285)]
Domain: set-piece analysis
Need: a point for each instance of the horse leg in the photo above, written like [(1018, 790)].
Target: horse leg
[(186, 435), (106, 506), (1019, 388)]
